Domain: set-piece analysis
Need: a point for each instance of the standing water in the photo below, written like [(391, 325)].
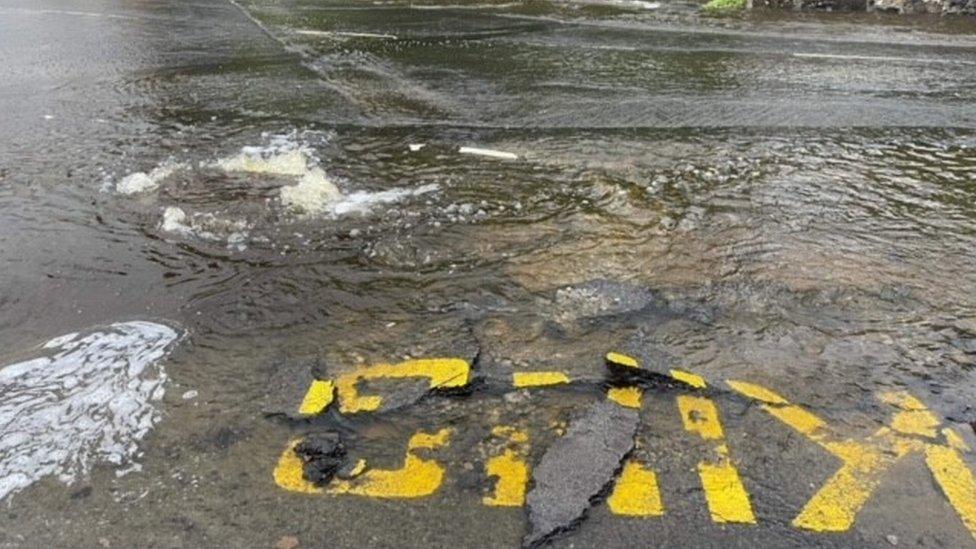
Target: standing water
[(206, 193)]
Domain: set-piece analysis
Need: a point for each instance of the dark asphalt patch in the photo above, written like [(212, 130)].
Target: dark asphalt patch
[(322, 455)]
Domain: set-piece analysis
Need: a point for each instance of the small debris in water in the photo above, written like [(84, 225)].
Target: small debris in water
[(414, 147), (491, 153), (338, 34)]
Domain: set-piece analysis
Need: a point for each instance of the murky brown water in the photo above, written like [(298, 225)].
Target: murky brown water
[(787, 199)]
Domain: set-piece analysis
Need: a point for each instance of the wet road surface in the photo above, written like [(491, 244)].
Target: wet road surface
[(781, 200)]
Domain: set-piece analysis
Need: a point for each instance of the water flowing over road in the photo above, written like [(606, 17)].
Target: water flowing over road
[(784, 199)]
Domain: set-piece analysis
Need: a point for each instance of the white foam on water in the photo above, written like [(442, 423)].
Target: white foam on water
[(90, 400), (259, 160), (314, 193), (310, 192), (174, 221), (140, 182), (363, 202), (206, 226), (283, 155)]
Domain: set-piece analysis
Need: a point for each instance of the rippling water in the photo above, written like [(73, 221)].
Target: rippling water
[(791, 199)]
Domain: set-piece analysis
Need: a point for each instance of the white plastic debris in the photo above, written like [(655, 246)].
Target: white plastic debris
[(491, 153)]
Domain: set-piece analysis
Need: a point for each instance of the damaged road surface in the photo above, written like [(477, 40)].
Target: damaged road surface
[(578, 468), (435, 224)]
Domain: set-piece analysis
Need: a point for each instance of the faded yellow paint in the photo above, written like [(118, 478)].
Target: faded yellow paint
[(442, 373), (727, 498), (626, 396), (915, 418), (835, 506), (317, 399), (622, 360), (357, 469), (636, 492), (288, 474), (954, 440), (538, 379), (756, 392), (699, 415), (688, 378), (430, 441), (417, 478), (510, 433)]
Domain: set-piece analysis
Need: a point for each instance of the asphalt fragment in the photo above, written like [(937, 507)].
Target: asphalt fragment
[(577, 468), (322, 455), (287, 384), (402, 393)]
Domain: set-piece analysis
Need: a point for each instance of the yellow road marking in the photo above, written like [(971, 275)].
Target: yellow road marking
[(727, 498), (636, 493), (317, 399), (538, 379), (622, 360), (417, 478), (954, 440), (688, 378), (956, 481), (442, 373), (915, 419), (510, 469), (288, 473), (629, 397), (756, 392), (699, 415), (835, 506)]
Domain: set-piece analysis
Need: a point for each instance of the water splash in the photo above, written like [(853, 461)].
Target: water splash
[(140, 182)]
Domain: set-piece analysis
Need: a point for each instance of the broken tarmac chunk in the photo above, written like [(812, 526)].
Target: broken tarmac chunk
[(287, 385), (578, 467), (323, 455), (386, 387)]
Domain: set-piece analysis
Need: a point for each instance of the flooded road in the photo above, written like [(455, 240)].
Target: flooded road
[(279, 192)]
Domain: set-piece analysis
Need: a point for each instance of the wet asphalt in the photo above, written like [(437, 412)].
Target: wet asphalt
[(778, 198)]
